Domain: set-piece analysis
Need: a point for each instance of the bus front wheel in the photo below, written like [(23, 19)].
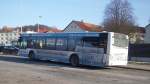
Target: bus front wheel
[(74, 60)]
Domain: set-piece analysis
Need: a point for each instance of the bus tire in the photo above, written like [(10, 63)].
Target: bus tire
[(74, 60), (31, 55)]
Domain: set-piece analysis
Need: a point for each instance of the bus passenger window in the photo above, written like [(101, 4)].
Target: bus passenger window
[(90, 41), (29, 43), (71, 44), (61, 44), (88, 44), (79, 42), (23, 44), (50, 43), (41, 44)]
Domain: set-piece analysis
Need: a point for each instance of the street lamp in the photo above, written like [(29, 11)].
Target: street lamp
[(21, 29), (38, 22)]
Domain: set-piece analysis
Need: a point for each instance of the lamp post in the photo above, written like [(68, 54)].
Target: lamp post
[(38, 22), (21, 29)]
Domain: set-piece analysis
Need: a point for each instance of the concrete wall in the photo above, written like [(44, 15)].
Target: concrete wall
[(140, 59)]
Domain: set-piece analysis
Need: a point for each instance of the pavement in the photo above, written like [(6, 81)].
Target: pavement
[(19, 70), (145, 66), (137, 66)]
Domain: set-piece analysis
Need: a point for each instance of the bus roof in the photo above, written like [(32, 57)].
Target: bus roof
[(64, 34)]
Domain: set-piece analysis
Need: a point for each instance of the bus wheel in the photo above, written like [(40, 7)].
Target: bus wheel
[(31, 55), (74, 60)]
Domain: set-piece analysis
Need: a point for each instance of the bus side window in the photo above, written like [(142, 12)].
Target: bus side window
[(38, 43), (29, 43), (50, 43), (103, 42), (34, 44), (61, 44), (71, 44), (79, 41), (87, 44), (23, 44), (42, 44), (90, 42)]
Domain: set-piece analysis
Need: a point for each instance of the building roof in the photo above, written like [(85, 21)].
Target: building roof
[(44, 29), (54, 30), (6, 29), (87, 26), (147, 25)]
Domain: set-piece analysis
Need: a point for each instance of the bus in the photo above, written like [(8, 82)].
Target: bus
[(95, 49)]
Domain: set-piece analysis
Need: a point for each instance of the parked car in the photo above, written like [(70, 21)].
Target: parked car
[(9, 50)]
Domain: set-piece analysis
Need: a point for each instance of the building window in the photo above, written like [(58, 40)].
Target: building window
[(6, 34)]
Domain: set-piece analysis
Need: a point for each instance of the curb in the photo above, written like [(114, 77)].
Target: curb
[(141, 63), (132, 68)]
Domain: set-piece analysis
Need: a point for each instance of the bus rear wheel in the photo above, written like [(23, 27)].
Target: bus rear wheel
[(74, 60), (31, 55)]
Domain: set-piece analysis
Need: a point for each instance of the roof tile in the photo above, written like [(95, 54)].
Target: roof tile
[(88, 26)]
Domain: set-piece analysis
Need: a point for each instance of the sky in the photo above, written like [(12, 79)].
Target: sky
[(59, 13)]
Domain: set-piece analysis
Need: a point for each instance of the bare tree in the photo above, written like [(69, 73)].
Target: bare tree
[(119, 17)]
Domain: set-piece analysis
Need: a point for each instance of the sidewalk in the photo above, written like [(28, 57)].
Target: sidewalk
[(137, 66)]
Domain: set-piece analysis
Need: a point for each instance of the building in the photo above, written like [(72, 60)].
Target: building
[(147, 34), (137, 36), (37, 28), (6, 38), (8, 35), (80, 26)]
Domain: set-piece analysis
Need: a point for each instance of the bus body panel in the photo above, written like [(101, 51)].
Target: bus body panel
[(91, 56), (88, 58), (118, 52), (23, 52), (118, 56)]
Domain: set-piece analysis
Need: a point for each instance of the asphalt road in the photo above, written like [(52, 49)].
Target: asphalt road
[(18, 70)]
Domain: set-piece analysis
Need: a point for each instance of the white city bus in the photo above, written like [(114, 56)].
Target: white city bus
[(94, 49)]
